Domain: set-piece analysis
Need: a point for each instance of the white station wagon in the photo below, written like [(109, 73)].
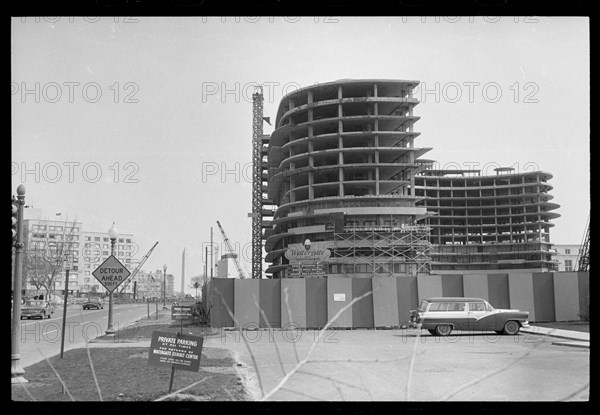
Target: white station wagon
[(441, 315)]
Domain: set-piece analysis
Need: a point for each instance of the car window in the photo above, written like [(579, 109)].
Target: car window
[(438, 307), (456, 307), (477, 307), (36, 303), (423, 305)]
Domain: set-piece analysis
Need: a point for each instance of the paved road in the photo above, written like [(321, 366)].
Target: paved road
[(374, 365), (41, 338)]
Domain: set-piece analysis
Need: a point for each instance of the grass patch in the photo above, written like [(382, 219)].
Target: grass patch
[(123, 374)]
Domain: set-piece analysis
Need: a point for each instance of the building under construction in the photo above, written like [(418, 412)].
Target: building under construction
[(341, 165), (341, 170), (490, 222)]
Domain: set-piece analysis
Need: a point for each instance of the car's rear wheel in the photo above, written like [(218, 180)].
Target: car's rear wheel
[(443, 329), (433, 333), (511, 328)]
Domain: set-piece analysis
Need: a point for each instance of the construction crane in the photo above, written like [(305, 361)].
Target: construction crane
[(139, 266), (584, 253), (257, 132), (230, 248)]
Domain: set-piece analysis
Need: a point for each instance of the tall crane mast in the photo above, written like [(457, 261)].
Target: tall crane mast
[(584, 253), (257, 132), (230, 248), (139, 266)]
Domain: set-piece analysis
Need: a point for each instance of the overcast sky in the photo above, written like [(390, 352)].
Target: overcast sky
[(147, 122)]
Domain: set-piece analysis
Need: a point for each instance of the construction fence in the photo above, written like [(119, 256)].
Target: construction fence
[(311, 302)]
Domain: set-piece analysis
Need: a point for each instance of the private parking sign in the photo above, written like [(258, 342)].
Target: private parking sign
[(111, 273)]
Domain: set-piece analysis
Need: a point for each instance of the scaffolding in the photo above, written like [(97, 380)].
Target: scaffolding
[(389, 251)]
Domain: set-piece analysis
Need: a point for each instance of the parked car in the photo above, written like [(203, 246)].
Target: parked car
[(441, 315), (90, 303), (36, 308)]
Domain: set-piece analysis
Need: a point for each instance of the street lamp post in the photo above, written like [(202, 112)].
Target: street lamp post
[(113, 234), (164, 286), (16, 370)]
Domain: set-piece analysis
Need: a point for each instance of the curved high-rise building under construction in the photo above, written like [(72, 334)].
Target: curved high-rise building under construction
[(341, 166)]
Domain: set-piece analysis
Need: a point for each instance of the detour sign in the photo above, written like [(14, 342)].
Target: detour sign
[(111, 273)]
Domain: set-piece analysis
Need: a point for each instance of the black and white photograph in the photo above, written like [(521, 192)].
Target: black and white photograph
[(300, 208)]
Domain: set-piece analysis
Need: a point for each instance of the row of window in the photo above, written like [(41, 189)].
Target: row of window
[(36, 228), (97, 239)]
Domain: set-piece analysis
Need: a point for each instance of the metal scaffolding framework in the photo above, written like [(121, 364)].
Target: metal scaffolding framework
[(257, 132), (385, 250), (584, 256)]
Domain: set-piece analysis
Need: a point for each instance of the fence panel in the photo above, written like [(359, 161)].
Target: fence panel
[(339, 294)]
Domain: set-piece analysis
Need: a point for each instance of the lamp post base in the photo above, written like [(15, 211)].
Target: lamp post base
[(17, 371), (110, 332), (18, 379)]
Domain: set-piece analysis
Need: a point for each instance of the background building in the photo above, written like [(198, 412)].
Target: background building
[(499, 222), (150, 284), (226, 267), (341, 165), (64, 238), (567, 257), (96, 248)]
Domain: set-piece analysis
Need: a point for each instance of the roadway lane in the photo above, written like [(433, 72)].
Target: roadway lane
[(39, 338)]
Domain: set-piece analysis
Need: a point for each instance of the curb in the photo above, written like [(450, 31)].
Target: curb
[(558, 336), (579, 344)]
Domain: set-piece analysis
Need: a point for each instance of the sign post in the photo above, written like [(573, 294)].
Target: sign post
[(64, 320), (111, 273)]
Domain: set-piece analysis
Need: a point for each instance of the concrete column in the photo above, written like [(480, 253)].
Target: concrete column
[(341, 173)]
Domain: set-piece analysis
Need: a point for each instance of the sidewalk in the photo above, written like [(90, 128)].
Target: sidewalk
[(575, 338)]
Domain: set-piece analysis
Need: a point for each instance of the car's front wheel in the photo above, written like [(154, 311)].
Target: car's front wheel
[(511, 328), (443, 329)]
